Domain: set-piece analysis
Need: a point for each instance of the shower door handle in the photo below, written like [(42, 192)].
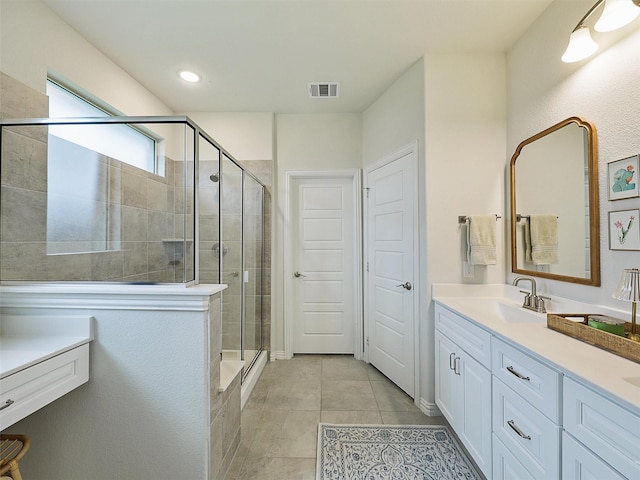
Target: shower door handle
[(298, 275)]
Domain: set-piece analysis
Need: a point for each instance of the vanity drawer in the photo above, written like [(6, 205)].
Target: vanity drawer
[(505, 465), (30, 389), (471, 338), (578, 463), (607, 429), (532, 438), (533, 380)]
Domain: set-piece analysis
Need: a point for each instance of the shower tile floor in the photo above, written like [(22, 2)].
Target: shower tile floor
[(280, 419)]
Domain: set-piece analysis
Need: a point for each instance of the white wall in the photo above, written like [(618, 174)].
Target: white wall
[(465, 109), (396, 118), (310, 143), (34, 40), (603, 90), (246, 136)]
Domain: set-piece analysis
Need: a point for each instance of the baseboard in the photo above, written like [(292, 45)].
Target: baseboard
[(279, 355), (429, 409)]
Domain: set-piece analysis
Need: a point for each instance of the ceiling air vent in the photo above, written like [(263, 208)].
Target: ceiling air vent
[(324, 89)]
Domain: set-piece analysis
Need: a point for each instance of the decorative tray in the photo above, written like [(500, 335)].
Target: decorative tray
[(580, 329)]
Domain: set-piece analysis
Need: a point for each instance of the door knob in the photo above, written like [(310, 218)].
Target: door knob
[(405, 285), (298, 274)]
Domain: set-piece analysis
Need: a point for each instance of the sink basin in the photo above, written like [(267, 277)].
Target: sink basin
[(498, 309)]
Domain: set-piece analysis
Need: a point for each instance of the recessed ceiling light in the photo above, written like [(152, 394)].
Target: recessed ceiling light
[(188, 76)]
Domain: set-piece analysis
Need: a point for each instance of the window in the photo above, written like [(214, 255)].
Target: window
[(121, 142), (84, 174)]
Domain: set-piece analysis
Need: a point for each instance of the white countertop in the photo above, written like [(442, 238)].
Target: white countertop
[(614, 376), (27, 340)]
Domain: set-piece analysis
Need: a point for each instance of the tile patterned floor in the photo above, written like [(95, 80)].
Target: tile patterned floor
[(280, 420)]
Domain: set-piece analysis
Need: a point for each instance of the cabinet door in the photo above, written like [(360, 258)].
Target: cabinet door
[(474, 413), (446, 378), (578, 463), (463, 394)]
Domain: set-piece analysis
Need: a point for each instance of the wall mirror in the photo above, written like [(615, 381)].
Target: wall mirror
[(555, 221)]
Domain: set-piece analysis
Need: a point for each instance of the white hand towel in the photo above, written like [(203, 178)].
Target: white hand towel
[(481, 240), (544, 239), (527, 241)]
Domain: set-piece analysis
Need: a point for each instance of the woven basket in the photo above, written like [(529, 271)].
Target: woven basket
[(580, 330)]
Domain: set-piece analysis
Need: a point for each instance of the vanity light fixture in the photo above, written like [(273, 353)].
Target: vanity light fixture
[(616, 14), (189, 76), (628, 290)]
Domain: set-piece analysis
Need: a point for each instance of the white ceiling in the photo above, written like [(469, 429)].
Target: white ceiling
[(257, 56)]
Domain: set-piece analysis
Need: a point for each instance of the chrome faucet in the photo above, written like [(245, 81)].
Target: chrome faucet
[(532, 300)]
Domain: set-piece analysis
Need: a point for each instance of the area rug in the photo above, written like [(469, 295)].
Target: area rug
[(394, 452)]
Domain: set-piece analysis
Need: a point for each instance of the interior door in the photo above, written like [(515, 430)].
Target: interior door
[(324, 233), (390, 263)]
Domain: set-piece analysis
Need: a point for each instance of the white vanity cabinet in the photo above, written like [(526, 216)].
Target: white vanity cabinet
[(42, 358), (560, 408), (463, 383), (30, 389)]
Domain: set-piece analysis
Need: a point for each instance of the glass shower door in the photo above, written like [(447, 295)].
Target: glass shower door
[(253, 246), (231, 258), (209, 214)]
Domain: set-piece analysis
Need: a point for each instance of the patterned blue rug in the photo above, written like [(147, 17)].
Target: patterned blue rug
[(394, 452)]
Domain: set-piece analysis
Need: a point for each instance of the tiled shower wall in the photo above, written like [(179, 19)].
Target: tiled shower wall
[(150, 209)]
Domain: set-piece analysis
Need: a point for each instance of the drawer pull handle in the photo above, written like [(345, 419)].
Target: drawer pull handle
[(513, 371), (456, 364), (514, 427), (452, 361), (7, 404)]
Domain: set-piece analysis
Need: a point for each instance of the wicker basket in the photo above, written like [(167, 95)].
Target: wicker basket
[(582, 331)]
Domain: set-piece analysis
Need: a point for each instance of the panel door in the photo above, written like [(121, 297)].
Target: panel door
[(390, 237), (323, 227)]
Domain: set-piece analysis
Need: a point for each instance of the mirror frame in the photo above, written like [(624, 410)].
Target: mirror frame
[(594, 204)]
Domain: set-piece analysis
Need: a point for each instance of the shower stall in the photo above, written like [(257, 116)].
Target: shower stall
[(152, 200), (235, 253)]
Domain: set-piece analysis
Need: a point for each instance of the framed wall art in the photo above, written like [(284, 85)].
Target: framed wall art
[(623, 178), (624, 230)]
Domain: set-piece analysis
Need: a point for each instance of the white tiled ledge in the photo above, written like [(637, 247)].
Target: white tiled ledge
[(229, 369), (109, 296), (614, 376)]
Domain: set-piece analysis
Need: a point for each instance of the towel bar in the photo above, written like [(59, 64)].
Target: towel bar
[(462, 219), (520, 217)]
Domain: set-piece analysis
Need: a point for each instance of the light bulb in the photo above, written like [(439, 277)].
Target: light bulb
[(188, 76), (616, 14), (581, 46)]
